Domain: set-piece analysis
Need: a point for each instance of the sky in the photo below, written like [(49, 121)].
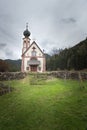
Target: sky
[(54, 24)]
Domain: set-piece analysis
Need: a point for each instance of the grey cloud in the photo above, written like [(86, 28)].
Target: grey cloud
[(2, 45), (49, 45), (4, 31), (5, 18), (68, 20), (8, 53)]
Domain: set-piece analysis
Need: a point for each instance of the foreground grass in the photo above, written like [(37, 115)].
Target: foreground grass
[(57, 105)]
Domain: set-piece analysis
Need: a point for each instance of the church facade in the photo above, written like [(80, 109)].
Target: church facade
[(33, 58)]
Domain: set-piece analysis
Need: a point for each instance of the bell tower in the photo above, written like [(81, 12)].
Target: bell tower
[(26, 44), (26, 39)]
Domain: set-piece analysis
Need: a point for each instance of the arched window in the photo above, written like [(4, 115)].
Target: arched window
[(33, 53)]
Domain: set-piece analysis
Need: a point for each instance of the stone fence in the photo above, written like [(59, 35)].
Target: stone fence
[(58, 74), (11, 75), (70, 75)]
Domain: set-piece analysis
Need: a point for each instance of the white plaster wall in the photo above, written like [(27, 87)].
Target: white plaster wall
[(39, 53), (41, 64), (39, 56), (25, 63)]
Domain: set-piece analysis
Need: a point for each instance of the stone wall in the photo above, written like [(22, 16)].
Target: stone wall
[(11, 75), (57, 74), (70, 75)]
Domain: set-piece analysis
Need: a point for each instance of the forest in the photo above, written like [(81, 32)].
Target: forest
[(74, 58)]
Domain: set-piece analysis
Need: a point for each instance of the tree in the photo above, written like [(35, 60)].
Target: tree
[(3, 66)]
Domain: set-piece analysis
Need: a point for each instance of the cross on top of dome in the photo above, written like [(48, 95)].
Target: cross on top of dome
[(26, 26), (26, 33)]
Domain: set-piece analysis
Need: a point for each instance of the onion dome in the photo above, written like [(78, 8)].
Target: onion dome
[(26, 33)]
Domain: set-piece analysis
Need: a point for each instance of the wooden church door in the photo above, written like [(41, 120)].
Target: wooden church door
[(34, 68)]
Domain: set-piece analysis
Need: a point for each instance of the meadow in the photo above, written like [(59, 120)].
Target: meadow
[(53, 104)]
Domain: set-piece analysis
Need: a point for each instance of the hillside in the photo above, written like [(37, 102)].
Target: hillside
[(82, 43), (10, 65), (15, 65), (78, 55), (72, 58)]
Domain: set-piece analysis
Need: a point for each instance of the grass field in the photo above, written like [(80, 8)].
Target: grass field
[(54, 105)]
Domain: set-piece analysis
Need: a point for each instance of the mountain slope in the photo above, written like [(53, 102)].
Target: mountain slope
[(72, 58), (14, 65)]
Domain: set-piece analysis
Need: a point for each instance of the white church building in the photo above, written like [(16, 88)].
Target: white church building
[(33, 58)]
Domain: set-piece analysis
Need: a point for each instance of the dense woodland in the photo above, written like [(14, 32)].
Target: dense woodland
[(74, 58)]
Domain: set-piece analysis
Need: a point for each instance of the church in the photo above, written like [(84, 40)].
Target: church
[(33, 58)]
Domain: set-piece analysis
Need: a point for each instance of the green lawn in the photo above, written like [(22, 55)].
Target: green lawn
[(54, 105)]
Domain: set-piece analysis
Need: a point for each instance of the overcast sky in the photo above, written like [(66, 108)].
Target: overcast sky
[(52, 23)]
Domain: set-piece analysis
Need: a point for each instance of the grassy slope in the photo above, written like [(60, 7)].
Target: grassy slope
[(57, 105)]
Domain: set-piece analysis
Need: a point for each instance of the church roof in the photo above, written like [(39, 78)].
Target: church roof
[(30, 47)]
